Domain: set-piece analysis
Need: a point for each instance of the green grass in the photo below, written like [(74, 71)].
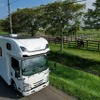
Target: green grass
[(2, 32), (82, 85), (77, 52), (88, 61), (88, 32)]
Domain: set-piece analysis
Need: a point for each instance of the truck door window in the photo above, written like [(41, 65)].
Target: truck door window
[(0, 51), (14, 64)]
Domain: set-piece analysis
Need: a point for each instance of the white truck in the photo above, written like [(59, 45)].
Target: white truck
[(23, 63)]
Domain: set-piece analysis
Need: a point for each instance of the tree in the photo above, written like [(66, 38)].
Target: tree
[(0, 25), (58, 14), (92, 17), (23, 20), (5, 25), (53, 17)]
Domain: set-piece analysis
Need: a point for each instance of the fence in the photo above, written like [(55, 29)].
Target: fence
[(84, 44), (57, 40)]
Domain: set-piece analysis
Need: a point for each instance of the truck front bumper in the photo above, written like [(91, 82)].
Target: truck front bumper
[(35, 89)]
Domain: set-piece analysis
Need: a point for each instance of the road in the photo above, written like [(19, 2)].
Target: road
[(48, 93)]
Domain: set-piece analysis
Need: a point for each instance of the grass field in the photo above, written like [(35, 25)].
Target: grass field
[(1, 33), (92, 55), (77, 83), (88, 61), (66, 77), (88, 32)]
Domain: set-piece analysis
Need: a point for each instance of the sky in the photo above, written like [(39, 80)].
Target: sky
[(29, 4)]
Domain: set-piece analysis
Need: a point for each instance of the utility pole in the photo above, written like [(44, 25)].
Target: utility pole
[(10, 19)]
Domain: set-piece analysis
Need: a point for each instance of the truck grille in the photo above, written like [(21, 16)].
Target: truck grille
[(38, 83)]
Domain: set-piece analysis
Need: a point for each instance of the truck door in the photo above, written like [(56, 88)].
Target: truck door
[(16, 74)]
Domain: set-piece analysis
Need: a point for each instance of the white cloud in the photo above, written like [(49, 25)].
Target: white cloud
[(89, 3)]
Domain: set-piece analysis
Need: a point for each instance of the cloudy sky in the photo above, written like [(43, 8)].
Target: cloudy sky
[(29, 3)]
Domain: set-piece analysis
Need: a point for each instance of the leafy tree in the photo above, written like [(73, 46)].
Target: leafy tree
[(5, 25), (92, 17), (53, 17), (23, 20), (0, 25), (58, 14)]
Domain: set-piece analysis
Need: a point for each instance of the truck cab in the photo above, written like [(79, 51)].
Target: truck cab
[(24, 63)]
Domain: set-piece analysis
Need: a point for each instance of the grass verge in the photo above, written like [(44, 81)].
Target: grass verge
[(92, 32), (82, 85), (92, 55), (2, 33), (88, 61)]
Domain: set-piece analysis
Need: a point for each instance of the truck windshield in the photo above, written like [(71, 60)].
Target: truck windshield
[(34, 65)]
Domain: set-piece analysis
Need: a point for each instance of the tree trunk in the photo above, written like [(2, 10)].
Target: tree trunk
[(61, 43), (32, 32)]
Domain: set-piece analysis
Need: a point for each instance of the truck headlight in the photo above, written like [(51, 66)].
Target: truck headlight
[(27, 87), (46, 79)]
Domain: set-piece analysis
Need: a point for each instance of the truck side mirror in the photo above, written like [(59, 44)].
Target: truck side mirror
[(17, 73)]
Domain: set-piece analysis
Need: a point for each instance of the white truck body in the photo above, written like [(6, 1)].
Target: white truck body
[(23, 63)]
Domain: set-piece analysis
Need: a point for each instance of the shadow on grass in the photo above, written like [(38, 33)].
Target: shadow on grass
[(77, 62)]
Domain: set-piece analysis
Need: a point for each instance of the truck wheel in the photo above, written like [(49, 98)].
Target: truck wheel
[(14, 85)]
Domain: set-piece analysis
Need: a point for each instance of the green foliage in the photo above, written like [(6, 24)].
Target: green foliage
[(52, 17), (26, 20), (23, 20), (5, 25), (58, 14), (92, 17), (0, 24), (77, 83), (1, 28)]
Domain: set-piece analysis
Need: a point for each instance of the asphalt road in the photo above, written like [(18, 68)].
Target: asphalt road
[(48, 93)]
